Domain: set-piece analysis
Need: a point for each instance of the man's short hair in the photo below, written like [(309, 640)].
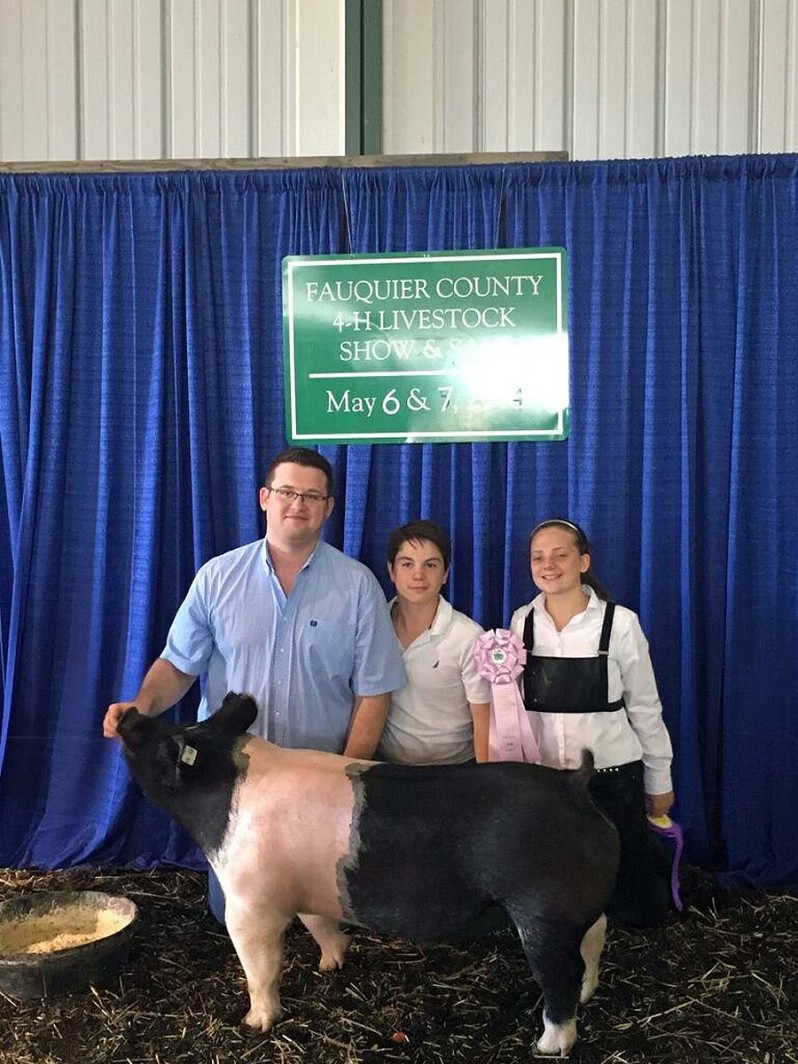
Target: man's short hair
[(415, 531), (301, 456)]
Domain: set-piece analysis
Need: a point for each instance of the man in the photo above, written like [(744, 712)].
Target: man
[(288, 619)]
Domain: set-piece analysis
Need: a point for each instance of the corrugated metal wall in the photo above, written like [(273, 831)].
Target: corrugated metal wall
[(596, 78), (147, 79), (180, 79)]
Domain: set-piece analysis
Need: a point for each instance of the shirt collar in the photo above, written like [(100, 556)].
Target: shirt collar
[(593, 601), (267, 558), (443, 616), (440, 621)]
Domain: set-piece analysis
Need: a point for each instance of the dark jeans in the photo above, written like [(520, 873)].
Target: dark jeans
[(642, 891)]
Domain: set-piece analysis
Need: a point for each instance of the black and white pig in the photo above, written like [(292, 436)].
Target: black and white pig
[(420, 852)]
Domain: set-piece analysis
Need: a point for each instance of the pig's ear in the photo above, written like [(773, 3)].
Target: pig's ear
[(133, 727), (236, 714)]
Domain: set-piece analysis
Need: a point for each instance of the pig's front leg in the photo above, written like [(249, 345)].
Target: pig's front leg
[(257, 935), (331, 939)]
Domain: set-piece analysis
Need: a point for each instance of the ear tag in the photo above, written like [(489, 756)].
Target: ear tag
[(188, 755)]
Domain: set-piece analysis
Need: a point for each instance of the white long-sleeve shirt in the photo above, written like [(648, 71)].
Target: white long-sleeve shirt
[(638, 731)]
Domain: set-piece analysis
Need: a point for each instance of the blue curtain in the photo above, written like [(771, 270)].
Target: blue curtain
[(141, 396)]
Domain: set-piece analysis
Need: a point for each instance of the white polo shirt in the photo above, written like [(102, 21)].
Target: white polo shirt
[(430, 720)]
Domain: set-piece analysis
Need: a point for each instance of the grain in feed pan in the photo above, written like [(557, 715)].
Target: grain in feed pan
[(62, 942)]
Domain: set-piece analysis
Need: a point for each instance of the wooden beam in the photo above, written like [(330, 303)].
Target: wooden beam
[(299, 163)]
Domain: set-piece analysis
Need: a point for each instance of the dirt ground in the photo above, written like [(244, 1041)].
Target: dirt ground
[(718, 982)]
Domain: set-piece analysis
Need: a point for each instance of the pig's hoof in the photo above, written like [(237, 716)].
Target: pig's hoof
[(332, 958), (262, 1017), (557, 1039)]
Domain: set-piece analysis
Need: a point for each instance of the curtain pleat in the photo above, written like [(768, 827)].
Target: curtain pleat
[(142, 397)]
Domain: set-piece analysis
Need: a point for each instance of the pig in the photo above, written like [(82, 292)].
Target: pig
[(419, 852)]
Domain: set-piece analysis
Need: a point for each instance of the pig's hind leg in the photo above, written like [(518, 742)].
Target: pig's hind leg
[(592, 945), (331, 939), (258, 939), (552, 951)]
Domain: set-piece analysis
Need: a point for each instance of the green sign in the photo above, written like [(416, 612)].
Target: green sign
[(414, 348)]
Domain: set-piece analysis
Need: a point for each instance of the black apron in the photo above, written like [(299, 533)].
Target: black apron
[(568, 685)]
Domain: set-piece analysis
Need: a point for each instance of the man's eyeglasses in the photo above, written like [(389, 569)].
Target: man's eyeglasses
[(289, 495)]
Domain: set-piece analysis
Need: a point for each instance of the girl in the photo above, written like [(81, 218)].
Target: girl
[(588, 682)]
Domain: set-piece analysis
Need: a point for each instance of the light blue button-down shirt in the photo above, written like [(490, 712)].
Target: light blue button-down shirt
[(303, 657)]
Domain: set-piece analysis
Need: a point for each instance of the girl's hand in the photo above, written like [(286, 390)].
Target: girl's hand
[(659, 804)]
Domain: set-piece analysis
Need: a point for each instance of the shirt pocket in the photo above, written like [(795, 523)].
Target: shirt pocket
[(327, 648)]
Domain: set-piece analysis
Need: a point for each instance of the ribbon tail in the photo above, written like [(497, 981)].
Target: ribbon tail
[(510, 736), (673, 832), (677, 857)]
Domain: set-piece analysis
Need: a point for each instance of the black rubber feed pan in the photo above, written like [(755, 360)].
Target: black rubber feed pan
[(60, 942)]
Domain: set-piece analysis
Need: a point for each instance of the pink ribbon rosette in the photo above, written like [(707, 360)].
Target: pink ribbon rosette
[(500, 657)]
